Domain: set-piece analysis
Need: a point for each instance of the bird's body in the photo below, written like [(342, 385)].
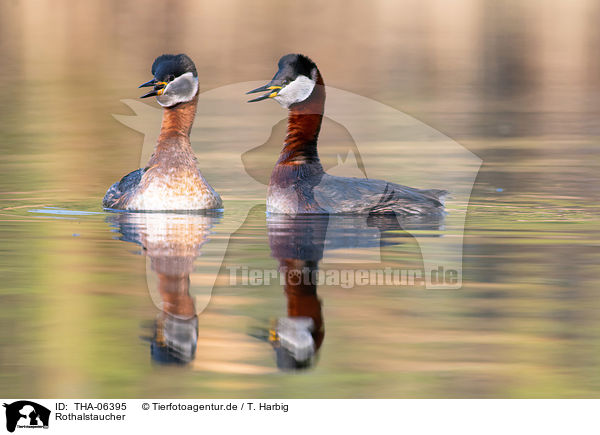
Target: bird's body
[(344, 195), (171, 180), (157, 188), (298, 183)]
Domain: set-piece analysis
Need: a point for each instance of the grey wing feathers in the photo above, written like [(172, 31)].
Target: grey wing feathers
[(406, 200), (126, 184), (359, 195)]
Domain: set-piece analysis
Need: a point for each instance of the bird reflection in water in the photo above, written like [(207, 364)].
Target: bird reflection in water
[(299, 243), (172, 242)]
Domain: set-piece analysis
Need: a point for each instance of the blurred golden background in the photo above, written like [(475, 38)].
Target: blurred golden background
[(515, 82)]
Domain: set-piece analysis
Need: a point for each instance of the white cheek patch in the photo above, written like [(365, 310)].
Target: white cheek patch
[(297, 91), (180, 90)]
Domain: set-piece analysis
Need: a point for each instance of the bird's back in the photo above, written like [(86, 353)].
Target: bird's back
[(328, 194), (360, 195)]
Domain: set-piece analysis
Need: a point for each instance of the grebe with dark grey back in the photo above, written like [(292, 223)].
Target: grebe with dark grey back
[(298, 183)]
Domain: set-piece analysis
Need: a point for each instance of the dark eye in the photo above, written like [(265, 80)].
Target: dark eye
[(286, 82), (171, 78)]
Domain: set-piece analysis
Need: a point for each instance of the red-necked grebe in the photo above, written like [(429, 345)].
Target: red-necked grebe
[(171, 180), (298, 182)]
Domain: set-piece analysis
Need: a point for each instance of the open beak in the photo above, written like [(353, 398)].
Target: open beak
[(273, 90), (159, 88)]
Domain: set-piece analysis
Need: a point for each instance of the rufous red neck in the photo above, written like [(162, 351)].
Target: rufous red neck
[(304, 124), (178, 120)]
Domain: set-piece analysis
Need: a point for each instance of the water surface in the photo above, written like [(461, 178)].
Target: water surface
[(515, 84)]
